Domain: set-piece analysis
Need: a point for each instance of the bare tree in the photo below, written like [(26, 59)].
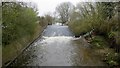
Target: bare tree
[(49, 19), (64, 11), (86, 8)]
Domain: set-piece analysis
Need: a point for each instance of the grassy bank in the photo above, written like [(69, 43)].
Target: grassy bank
[(15, 48), (102, 49)]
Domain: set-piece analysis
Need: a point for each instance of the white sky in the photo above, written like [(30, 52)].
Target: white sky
[(45, 6)]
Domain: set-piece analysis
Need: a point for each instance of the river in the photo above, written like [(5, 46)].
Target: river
[(58, 47)]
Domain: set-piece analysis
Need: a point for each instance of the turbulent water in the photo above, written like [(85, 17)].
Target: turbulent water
[(58, 47)]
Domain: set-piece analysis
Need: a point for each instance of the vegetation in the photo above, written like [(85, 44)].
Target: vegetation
[(99, 18), (64, 10), (49, 19), (99, 42), (15, 14), (20, 26), (101, 48)]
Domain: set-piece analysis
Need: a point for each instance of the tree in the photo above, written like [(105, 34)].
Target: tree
[(64, 10), (49, 19), (18, 21), (107, 8)]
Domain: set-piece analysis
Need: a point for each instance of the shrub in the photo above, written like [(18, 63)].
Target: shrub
[(98, 42), (113, 58), (18, 21), (79, 27)]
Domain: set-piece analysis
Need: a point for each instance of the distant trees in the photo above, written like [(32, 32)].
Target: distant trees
[(64, 10), (42, 21), (49, 19), (46, 20)]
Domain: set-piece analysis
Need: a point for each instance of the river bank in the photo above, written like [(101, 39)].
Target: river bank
[(10, 52), (101, 48)]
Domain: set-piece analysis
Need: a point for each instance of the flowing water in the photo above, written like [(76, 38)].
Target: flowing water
[(58, 47)]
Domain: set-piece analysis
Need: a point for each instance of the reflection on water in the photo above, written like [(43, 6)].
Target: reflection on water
[(58, 51)]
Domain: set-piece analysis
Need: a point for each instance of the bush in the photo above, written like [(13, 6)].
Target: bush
[(98, 42), (97, 17), (100, 17), (79, 27), (114, 37), (113, 59), (18, 21)]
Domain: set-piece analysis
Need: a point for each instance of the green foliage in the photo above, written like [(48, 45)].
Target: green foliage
[(112, 58), (98, 42), (111, 34), (103, 18), (115, 35), (79, 28), (18, 21), (99, 17)]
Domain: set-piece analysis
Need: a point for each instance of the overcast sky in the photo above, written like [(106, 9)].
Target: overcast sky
[(45, 6)]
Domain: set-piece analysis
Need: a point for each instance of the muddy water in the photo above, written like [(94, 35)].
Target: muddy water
[(58, 47)]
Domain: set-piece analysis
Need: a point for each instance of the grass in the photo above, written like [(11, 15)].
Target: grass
[(99, 42)]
